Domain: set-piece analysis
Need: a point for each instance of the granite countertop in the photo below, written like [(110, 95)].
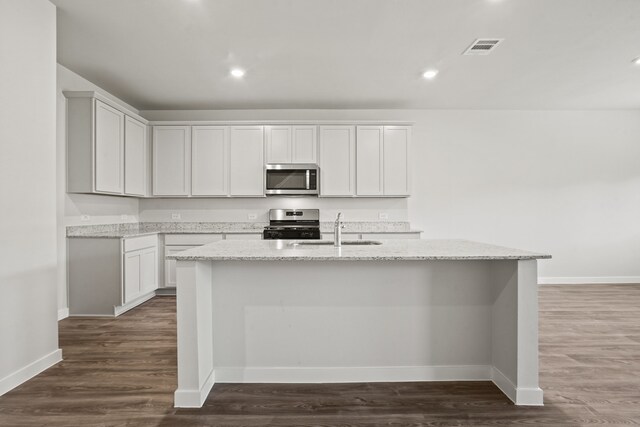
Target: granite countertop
[(127, 230), (389, 250)]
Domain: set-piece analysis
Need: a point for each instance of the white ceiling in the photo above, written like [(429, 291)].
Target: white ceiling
[(176, 54)]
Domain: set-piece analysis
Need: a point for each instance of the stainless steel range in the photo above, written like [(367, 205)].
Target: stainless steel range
[(293, 224)]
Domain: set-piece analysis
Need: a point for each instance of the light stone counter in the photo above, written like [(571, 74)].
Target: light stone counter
[(406, 310), (125, 230), (389, 250)]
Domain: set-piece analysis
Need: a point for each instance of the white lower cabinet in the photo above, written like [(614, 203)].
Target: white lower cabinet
[(170, 264), (110, 276), (140, 273), (174, 243)]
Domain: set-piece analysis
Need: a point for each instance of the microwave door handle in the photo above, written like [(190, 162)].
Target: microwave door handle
[(308, 179)]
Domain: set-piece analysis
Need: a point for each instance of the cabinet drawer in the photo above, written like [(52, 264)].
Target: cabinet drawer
[(190, 239), (136, 243)]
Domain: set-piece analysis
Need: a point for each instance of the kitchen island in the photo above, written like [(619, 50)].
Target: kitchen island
[(403, 310)]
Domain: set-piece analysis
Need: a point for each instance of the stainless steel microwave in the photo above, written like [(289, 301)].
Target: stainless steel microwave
[(291, 179)]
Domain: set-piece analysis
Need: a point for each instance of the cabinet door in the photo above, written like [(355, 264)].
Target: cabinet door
[(246, 161), (131, 285), (303, 144), (209, 149), (171, 160), (135, 159), (396, 171), (369, 160), (337, 160), (278, 144), (109, 146), (170, 264), (148, 270)]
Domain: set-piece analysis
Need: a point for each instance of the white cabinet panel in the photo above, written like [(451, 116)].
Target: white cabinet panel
[(278, 144), (369, 160), (148, 270), (171, 160), (246, 161), (337, 160), (131, 285), (135, 159), (109, 146), (209, 166), (303, 145), (396, 160), (170, 264)]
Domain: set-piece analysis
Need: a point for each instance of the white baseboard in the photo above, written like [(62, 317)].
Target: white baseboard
[(602, 280), (63, 313), (194, 398), (118, 310), (16, 378), (519, 396), (353, 374)]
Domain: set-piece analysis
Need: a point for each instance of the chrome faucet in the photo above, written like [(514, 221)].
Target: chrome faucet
[(337, 231)]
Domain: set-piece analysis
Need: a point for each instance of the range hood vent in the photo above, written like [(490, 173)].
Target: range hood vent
[(482, 46)]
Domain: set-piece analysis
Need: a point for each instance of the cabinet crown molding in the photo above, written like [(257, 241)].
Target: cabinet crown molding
[(278, 122), (110, 102)]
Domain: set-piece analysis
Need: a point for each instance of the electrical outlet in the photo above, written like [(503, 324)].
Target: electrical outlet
[(124, 217), (85, 217), (176, 216), (252, 216), (383, 215)]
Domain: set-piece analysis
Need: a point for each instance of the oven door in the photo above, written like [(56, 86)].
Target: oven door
[(291, 179)]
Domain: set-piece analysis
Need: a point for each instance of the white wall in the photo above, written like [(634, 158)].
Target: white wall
[(28, 326), (563, 182), (72, 207)]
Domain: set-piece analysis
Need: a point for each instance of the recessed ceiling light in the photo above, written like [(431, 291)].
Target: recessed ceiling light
[(238, 73), (637, 61), (430, 74)]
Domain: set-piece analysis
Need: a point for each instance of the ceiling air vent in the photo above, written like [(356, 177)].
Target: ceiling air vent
[(482, 46)]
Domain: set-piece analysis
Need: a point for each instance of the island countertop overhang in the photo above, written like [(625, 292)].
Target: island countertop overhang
[(389, 250)]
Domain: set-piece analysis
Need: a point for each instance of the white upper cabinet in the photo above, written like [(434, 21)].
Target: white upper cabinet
[(135, 158), (303, 144), (106, 147), (278, 144), (382, 160), (395, 159), (246, 161), (369, 153), (291, 144), (109, 149), (171, 160), (337, 160), (209, 160)]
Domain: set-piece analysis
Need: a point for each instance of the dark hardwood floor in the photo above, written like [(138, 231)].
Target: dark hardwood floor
[(121, 372)]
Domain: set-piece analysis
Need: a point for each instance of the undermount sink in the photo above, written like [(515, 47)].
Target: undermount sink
[(330, 243)]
